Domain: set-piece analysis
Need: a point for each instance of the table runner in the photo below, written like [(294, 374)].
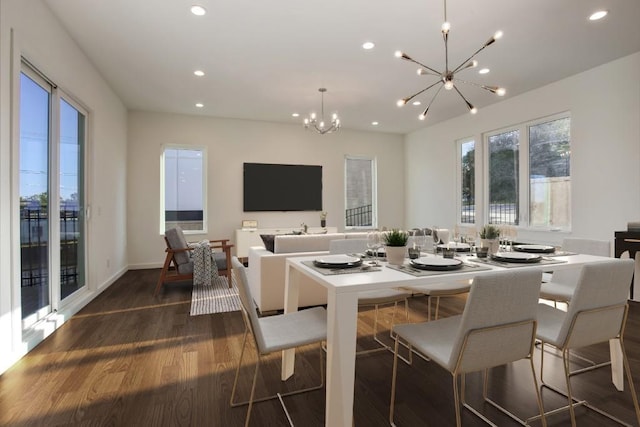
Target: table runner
[(420, 273), (543, 261)]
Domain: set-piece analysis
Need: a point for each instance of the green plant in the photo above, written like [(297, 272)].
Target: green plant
[(489, 232), (396, 237)]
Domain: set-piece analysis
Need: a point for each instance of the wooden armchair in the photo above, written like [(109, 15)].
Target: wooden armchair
[(178, 265)]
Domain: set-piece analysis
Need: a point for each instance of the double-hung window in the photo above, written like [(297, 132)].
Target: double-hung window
[(466, 180), (528, 174)]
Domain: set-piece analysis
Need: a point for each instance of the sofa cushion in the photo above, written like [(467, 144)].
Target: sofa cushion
[(268, 240), (285, 244)]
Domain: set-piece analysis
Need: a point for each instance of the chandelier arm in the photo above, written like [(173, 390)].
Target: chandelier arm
[(469, 105), (468, 59), (424, 113), (487, 88), (422, 91), (422, 65)]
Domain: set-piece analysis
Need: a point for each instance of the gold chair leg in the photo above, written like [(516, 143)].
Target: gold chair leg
[(632, 388), (393, 382), (565, 362), (456, 400)]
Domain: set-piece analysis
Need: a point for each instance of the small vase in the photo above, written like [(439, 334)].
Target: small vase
[(492, 244), (396, 254)]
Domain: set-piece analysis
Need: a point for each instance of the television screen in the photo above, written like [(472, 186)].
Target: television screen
[(273, 187)]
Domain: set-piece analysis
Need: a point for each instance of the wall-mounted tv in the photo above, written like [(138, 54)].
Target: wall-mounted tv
[(275, 187)]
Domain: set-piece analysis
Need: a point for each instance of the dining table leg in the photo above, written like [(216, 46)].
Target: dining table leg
[(342, 317), (291, 291)]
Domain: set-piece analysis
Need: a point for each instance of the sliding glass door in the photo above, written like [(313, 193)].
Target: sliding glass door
[(51, 185)]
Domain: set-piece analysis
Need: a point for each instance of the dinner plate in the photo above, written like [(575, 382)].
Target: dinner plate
[(454, 246), (436, 263), (516, 257), (535, 249), (337, 261)]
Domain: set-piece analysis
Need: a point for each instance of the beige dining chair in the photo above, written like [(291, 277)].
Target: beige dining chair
[(376, 298), (273, 334), (563, 282), (597, 313), (497, 326)]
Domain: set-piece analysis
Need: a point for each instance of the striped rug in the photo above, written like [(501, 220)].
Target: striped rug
[(217, 298)]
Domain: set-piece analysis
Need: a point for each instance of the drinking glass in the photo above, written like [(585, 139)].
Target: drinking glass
[(436, 239), (374, 243)]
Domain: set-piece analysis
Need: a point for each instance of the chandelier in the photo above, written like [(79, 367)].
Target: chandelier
[(321, 126), (449, 77)]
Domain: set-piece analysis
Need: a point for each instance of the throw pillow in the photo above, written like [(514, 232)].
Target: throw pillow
[(269, 241)]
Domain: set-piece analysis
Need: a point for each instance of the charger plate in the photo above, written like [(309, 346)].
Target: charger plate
[(436, 263)]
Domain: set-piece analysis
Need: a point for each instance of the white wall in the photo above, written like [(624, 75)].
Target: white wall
[(29, 28), (605, 151), (229, 144)]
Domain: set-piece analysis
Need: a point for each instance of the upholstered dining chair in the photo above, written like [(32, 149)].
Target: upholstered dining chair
[(275, 333), (597, 313), (375, 299), (562, 284), (178, 263), (497, 326)]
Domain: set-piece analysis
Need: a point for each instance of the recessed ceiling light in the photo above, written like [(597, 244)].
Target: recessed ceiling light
[(598, 15), (199, 105), (198, 10), (295, 115), (199, 73), (416, 102), (483, 71), (368, 45), (375, 123)]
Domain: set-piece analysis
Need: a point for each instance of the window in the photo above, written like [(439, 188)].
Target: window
[(183, 189), (467, 188), (360, 192), (529, 175)]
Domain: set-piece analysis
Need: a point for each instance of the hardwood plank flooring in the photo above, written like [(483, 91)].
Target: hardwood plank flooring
[(131, 359)]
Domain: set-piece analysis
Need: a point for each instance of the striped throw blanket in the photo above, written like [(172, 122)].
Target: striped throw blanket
[(204, 265)]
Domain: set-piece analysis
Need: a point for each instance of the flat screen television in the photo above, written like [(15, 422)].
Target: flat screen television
[(276, 187)]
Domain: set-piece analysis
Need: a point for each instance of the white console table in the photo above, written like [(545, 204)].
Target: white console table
[(247, 237)]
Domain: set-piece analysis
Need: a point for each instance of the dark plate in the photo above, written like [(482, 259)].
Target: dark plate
[(352, 264), (534, 249), (432, 264)]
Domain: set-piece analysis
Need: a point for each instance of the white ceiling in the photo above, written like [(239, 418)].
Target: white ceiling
[(265, 60)]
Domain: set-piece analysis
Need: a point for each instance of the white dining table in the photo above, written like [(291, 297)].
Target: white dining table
[(342, 311)]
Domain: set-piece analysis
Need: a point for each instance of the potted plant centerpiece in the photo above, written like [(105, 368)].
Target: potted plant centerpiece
[(489, 238), (396, 243)]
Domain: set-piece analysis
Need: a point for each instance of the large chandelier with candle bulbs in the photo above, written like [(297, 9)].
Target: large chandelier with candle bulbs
[(448, 79)]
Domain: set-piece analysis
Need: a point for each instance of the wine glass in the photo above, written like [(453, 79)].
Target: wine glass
[(373, 244), (436, 238)]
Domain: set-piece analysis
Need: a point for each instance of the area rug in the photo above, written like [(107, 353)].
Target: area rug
[(217, 298)]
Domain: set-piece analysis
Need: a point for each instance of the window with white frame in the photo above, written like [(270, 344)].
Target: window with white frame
[(528, 174), (466, 181), (183, 189), (360, 192)]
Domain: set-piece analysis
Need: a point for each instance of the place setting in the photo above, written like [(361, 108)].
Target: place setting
[(517, 258), (433, 265), (341, 264)]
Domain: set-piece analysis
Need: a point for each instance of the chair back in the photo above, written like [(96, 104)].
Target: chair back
[(175, 240), (580, 246), (347, 246), (249, 308), (499, 321), (598, 305)]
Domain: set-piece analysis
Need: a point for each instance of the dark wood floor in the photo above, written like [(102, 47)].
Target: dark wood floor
[(129, 359)]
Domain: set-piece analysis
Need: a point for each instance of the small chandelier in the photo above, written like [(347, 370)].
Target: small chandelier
[(448, 77), (321, 126)]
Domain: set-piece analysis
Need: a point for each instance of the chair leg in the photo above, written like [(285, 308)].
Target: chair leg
[(456, 400), (163, 273), (235, 380), (632, 389), (393, 382), (565, 362), (538, 395)]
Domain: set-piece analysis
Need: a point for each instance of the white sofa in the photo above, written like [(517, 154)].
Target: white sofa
[(267, 269)]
